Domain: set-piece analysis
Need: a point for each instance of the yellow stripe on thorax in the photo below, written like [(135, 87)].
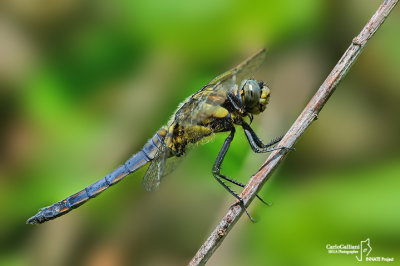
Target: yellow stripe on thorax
[(221, 112)]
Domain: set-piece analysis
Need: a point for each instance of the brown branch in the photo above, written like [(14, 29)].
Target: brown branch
[(309, 114)]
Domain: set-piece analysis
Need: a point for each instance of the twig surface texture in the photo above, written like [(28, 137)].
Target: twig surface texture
[(309, 114)]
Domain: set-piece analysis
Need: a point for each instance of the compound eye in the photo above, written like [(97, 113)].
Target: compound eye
[(252, 94)]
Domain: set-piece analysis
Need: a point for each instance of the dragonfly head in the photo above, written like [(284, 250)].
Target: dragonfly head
[(255, 96)]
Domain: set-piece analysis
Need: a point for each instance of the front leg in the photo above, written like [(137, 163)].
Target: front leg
[(217, 169), (239, 106), (236, 102), (256, 144)]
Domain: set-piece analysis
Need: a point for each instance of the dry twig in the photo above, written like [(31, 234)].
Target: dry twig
[(309, 114)]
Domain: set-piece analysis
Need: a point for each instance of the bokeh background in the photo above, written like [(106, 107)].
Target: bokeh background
[(84, 84)]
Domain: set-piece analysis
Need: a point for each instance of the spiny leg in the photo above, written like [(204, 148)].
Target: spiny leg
[(242, 185), (256, 144), (236, 102), (217, 169), (238, 105)]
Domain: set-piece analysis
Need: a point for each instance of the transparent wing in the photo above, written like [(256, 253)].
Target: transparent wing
[(249, 67), (245, 70), (159, 167), (204, 104), (206, 101), (152, 178)]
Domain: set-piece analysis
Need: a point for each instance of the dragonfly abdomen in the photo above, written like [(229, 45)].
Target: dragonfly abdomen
[(131, 165)]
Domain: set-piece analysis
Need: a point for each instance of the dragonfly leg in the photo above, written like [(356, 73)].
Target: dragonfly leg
[(242, 185), (235, 101), (217, 169), (239, 106), (257, 145)]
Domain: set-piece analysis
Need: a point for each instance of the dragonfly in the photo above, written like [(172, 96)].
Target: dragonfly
[(220, 106)]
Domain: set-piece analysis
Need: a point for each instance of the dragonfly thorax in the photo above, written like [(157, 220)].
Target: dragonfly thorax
[(254, 95)]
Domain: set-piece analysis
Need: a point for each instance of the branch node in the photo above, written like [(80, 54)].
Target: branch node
[(357, 41)]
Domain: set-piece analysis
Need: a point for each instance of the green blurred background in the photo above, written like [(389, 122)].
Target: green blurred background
[(84, 84)]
